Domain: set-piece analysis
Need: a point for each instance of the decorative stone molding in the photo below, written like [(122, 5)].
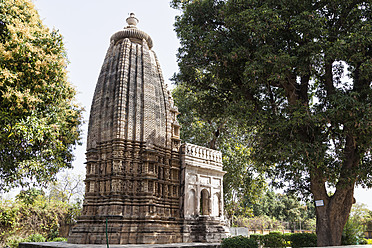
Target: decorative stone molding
[(203, 153), (132, 33)]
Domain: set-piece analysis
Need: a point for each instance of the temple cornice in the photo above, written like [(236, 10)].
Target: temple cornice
[(132, 33)]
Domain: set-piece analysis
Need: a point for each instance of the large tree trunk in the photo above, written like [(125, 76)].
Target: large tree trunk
[(333, 215), (331, 218)]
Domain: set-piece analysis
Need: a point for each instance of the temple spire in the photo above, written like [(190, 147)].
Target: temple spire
[(132, 32), (135, 178)]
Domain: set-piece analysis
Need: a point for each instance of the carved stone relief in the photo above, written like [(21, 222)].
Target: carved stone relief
[(91, 186), (205, 180)]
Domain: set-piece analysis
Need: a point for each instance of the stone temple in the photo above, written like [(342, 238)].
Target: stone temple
[(140, 180)]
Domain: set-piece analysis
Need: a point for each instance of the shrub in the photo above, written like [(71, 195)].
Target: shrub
[(274, 239), (13, 241), (363, 241), (52, 231), (59, 239), (258, 238), (352, 232), (303, 240), (35, 238), (239, 242), (41, 215), (287, 238)]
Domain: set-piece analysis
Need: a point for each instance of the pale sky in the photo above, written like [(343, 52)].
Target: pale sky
[(87, 27)]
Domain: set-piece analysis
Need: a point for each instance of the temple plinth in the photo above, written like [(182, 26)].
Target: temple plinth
[(135, 177)]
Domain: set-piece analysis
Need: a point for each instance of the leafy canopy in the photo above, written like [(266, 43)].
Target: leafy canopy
[(296, 74), (39, 121)]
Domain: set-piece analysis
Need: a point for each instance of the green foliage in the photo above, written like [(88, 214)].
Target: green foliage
[(274, 239), (257, 238), (253, 61), (239, 242), (43, 216), (73, 212), (35, 238), (39, 121), (59, 239), (9, 218), (368, 220), (363, 241), (261, 222), (29, 196), (276, 211), (353, 232), (13, 241), (303, 240), (285, 207), (287, 238)]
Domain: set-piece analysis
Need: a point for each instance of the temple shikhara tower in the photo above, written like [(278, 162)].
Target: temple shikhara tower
[(140, 180)]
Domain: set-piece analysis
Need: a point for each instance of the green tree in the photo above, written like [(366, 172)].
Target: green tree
[(31, 215), (39, 121), (284, 207), (368, 221), (356, 225), (277, 68), (218, 132), (28, 197)]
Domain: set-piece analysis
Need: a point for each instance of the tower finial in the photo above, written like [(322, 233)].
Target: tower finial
[(132, 20)]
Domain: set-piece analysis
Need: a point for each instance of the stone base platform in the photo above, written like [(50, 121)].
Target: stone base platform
[(67, 245)]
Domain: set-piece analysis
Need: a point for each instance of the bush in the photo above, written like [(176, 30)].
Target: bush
[(274, 239), (13, 241), (239, 242), (287, 238), (303, 240), (59, 239), (41, 215), (352, 233), (258, 238), (52, 231), (363, 241), (35, 238)]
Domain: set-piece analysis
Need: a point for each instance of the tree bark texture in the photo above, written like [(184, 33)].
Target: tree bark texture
[(333, 215)]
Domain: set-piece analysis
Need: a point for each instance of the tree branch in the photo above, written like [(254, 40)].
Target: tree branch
[(328, 77)]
